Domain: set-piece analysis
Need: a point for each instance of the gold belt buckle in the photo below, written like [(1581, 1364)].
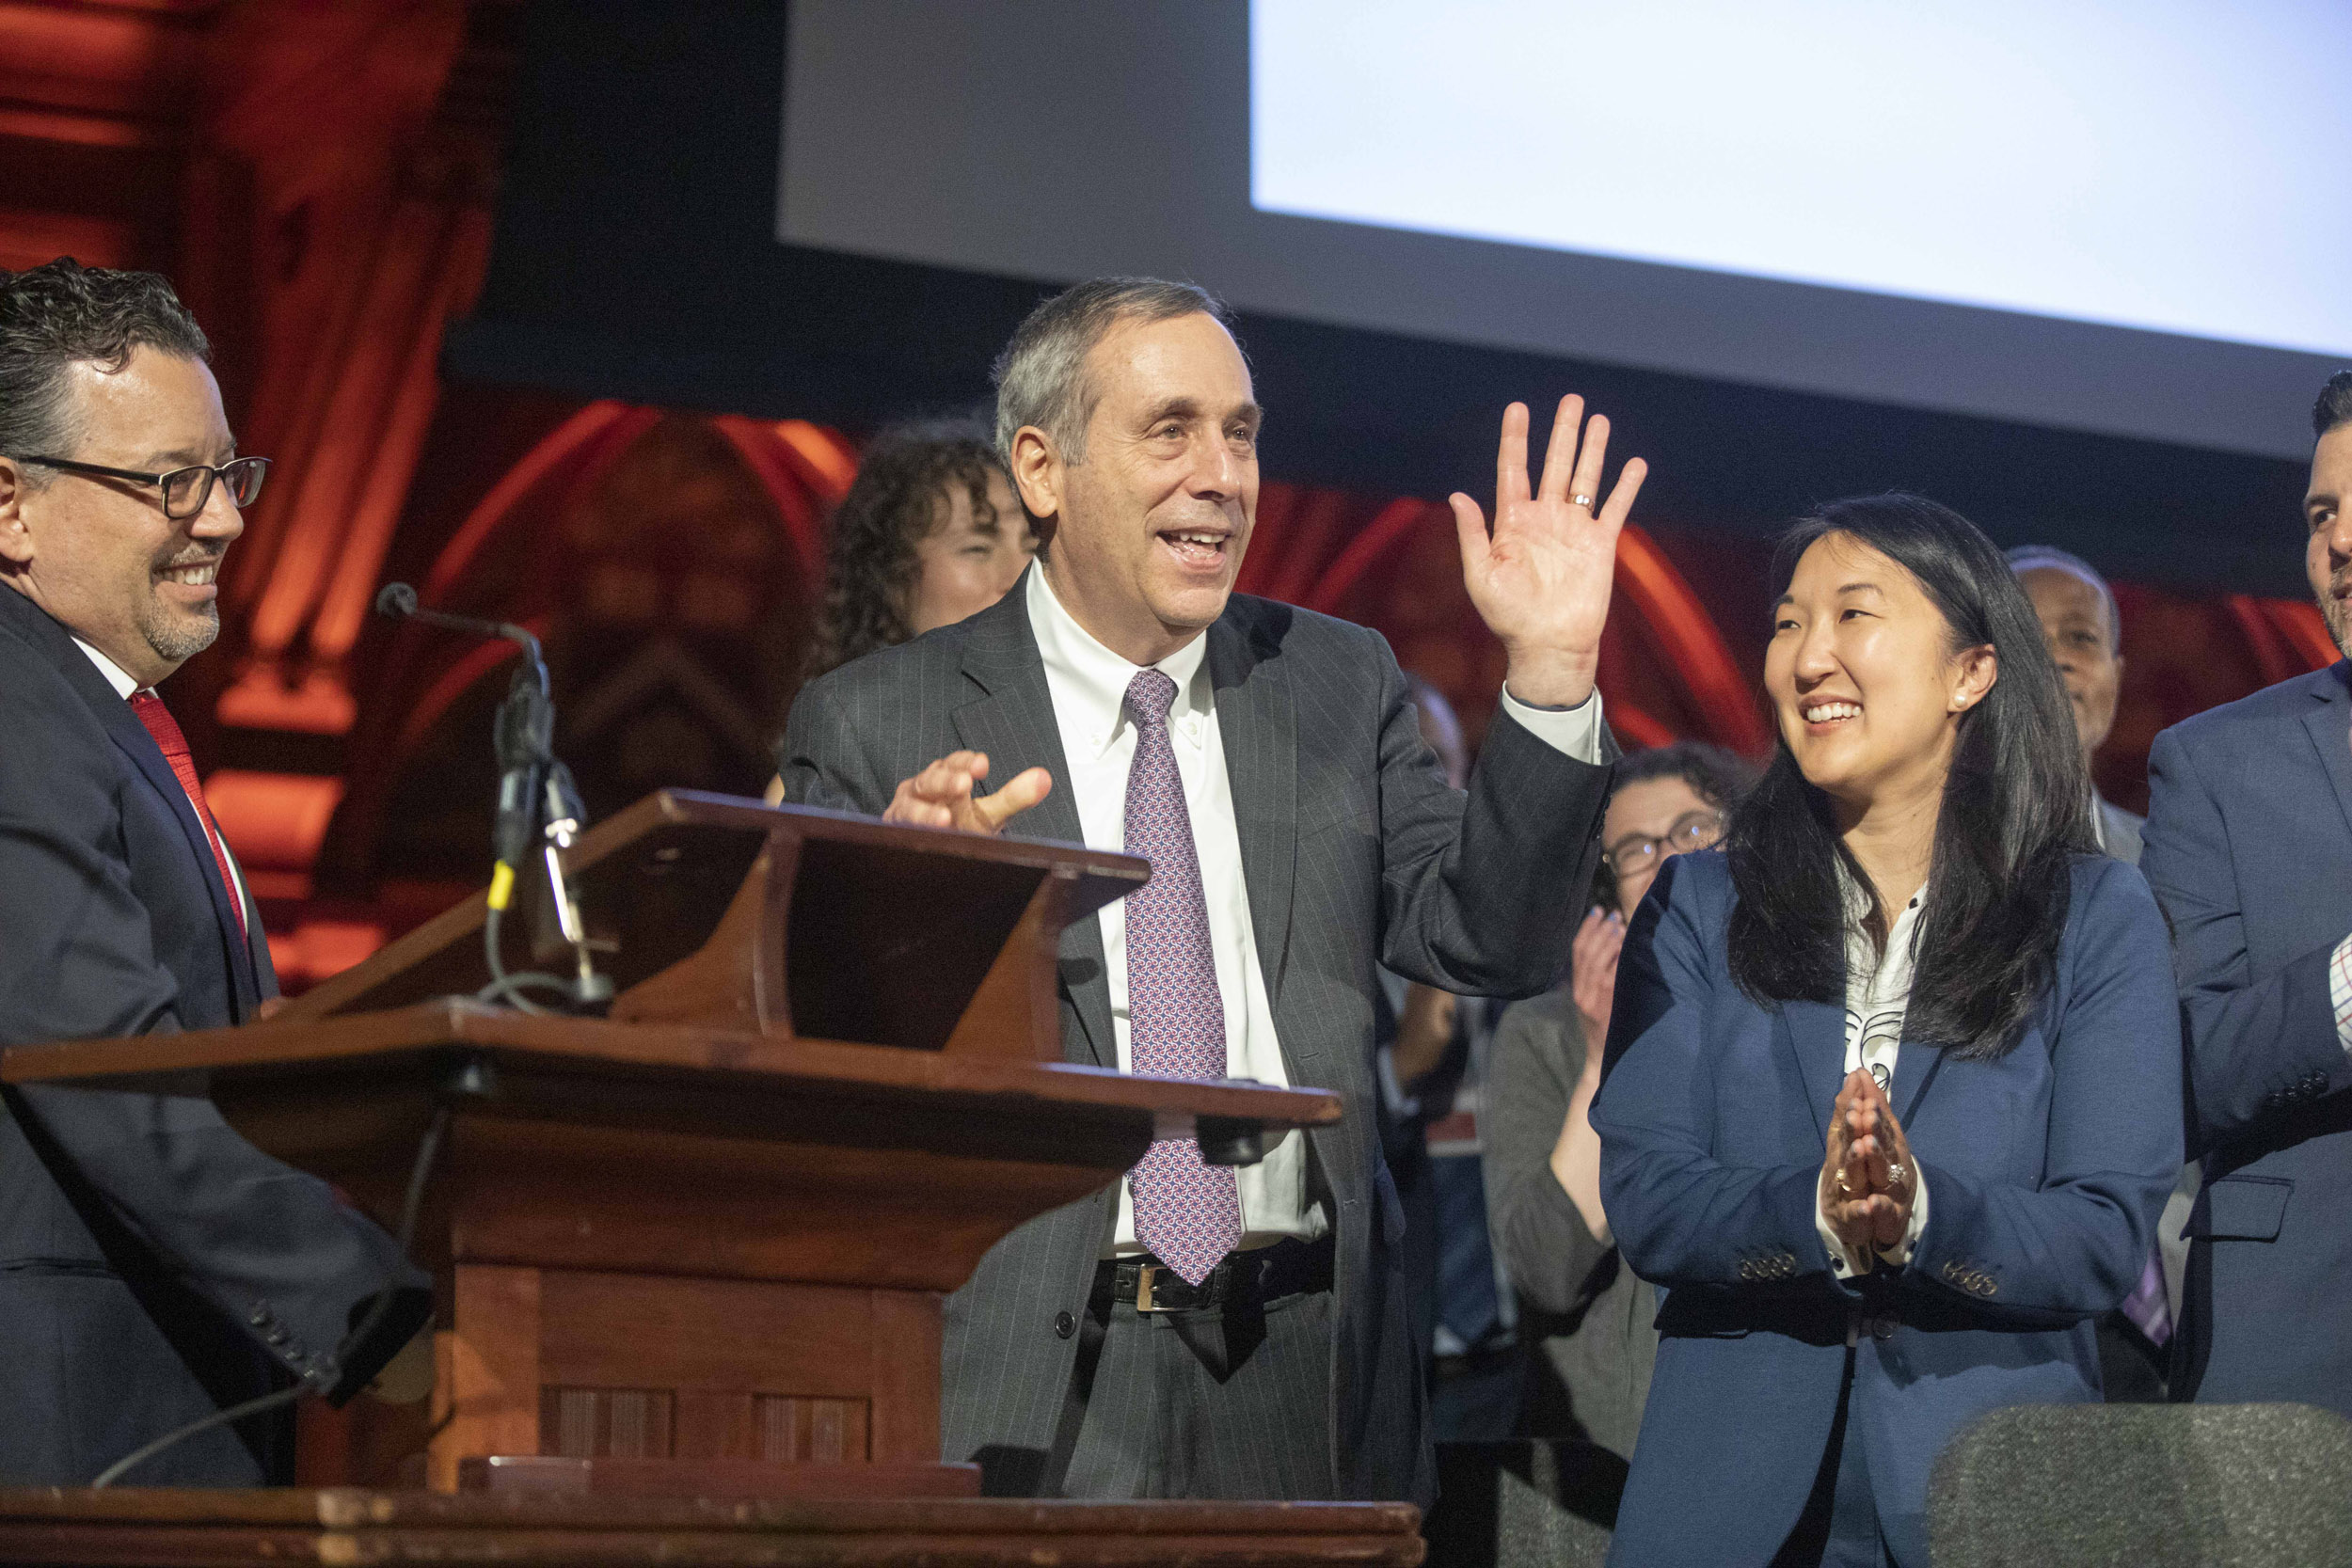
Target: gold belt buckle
[(1144, 1302)]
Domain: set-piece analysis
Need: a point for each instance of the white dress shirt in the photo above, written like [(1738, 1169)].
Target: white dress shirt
[(124, 688), (1878, 994), (1088, 683)]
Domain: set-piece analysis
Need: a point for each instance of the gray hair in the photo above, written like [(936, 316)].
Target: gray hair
[(1041, 378), (2038, 558)]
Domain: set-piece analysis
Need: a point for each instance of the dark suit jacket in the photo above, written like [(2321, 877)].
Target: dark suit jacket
[(2249, 849), (2045, 1171), (153, 1266), (1355, 853)]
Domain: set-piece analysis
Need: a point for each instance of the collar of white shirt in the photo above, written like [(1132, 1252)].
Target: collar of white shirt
[(1095, 679), (122, 683)]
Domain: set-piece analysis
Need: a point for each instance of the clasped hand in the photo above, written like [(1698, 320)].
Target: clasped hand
[(1869, 1182)]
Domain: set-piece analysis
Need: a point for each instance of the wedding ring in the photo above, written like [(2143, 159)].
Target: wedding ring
[(1584, 501), (1897, 1174), (1843, 1189)]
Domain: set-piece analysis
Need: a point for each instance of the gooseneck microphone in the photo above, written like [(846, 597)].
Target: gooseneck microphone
[(398, 602), (536, 799)]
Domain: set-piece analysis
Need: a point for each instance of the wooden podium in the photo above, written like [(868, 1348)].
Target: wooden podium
[(698, 1249)]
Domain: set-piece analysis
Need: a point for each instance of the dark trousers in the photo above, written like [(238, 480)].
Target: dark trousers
[(1219, 1403)]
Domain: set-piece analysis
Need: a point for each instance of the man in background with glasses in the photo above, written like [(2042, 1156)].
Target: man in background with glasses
[(155, 1269)]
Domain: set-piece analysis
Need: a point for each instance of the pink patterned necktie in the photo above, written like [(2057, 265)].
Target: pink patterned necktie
[(1187, 1213)]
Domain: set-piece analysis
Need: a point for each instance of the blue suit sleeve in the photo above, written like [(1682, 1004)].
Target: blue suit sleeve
[(2077, 1244), (2256, 1047), (1682, 1216)]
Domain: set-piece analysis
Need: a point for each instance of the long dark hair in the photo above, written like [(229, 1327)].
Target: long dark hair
[(2015, 812), (891, 506)]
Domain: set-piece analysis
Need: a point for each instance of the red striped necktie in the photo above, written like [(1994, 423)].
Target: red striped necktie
[(165, 729)]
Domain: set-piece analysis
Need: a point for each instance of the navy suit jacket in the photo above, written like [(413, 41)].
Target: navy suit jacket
[(2249, 849), (154, 1266), (2045, 1171)]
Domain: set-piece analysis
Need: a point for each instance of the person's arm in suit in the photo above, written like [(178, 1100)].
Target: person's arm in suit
[(266, 1244), (1542, 1240), (2076, 1246), (1481, 890), (1681, 1216), (821, 762), (2256, 1047)]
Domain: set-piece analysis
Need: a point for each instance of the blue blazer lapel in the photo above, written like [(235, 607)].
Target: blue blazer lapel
[(1009, 715), (1257, 722), (2329, 725), (1815, 1035)]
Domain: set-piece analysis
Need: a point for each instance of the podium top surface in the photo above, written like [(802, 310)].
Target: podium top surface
[(419, 1036), (871, 900)]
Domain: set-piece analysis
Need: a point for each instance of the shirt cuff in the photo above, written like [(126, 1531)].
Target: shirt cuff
[(1847, 1264), (2339, 991), (1577, 730)]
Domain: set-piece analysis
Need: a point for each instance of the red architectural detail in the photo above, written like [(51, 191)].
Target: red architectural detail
[(1377, 537), (568, 441), (784, 471), (1693, 649)]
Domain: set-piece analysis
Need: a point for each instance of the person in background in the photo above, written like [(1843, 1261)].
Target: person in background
[(2084, 630), (930, 533), (2249, 849), (1892, 1099), (1586, 1320), (2085, 633), (1430, 1061)]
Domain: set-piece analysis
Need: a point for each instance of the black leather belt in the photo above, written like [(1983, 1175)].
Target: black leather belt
[(1244, 1278)]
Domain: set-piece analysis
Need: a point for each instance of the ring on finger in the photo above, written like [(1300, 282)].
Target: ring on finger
[(1843, 1189), (1581, 499), (1896, 1174)]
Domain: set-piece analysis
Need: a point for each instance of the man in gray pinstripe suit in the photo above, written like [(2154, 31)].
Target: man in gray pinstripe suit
[(1196, 1331)]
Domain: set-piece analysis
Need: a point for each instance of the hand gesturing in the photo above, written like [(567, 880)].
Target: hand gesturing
[(1869, 1182), (941, 795), (1541, 579)]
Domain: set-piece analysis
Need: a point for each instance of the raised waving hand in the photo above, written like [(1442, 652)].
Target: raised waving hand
[(1540, 577)]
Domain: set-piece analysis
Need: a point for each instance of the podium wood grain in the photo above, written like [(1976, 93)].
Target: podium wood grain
[(347, 1528)]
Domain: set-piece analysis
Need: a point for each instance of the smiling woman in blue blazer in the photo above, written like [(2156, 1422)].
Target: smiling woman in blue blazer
[(1894, 1086)]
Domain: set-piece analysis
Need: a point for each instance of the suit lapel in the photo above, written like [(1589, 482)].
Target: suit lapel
[(1010, 717), (1815, 1036), (1257, 724), (130, 737), (2329, 725)]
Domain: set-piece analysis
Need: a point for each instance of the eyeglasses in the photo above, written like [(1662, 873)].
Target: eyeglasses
[(1639, 852), (185, 490)]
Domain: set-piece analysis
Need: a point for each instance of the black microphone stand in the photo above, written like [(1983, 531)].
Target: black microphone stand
[(538, 805)]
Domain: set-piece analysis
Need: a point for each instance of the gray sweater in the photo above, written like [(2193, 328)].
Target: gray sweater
[(1591, 1320)]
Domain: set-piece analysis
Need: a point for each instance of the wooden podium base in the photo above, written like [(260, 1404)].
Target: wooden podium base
[(131, 1528)]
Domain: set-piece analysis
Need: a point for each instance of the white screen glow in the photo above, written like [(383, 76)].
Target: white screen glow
[(2168, 164)]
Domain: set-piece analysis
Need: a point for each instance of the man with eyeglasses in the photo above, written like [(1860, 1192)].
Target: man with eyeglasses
[(1586, 1321), (155, 1269)]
